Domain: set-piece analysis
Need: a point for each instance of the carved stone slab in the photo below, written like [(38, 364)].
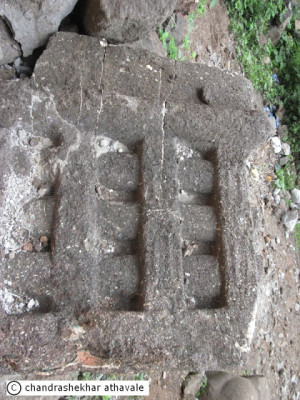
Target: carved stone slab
[(127, 238)]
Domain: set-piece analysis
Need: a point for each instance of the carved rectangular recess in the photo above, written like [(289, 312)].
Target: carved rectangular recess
[(203, 266), (29, 271), (119, 214)]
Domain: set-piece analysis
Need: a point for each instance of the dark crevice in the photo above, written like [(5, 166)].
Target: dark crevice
[(73, 22), (201, 97), (138, 303), (221, 301), (211, 248)]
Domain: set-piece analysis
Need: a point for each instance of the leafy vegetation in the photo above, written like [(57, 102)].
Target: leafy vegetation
[(202, 388), (286, 177), (297, 235), (168, 41), (274, 69)]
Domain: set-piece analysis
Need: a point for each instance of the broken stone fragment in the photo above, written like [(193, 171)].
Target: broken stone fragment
[(290, 219), (276, 144), (9, 48), (295, 196), (124, 22), (286, 149), (33, 21), (192, 384)]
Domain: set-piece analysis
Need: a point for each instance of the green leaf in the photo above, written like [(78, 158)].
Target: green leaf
[(212, 4)]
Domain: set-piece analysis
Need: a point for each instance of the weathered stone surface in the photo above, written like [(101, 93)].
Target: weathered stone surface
[(9, 48), (7, 72), (224, 386), (142, 266), (122, 22), (150, 43), (33, 21)]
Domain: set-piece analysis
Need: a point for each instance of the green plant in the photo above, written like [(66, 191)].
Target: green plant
[(202, 388), (168, 41), (291, 79), (286, 177), (247, 372), (297, 235), (89, 376), (262, 61), (141, 376)]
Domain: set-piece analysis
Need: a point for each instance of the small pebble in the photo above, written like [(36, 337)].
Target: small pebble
[(28, 247), (36, 245), (267, 239), (276, 192), (254, 173), (273, 244), (44, 239), (277, 199), (42, 191)]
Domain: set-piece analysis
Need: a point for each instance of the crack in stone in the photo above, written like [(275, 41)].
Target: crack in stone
[(101, 90), (81, 97), (163, 111)]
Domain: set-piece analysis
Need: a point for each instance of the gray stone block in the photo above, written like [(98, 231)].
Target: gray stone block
[(9, 48), (33, 22), (121, 22), (142, 191)]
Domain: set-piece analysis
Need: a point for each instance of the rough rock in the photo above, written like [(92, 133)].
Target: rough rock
[(9, 48), (7, 72), (177, 26), (224, 386), (276, 144), (290, 219), (286, 149), (284, 160), (191, 385), (33, 21), (150, 43), (275, 32), (103, 150), (124, 22), (295, 196)]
